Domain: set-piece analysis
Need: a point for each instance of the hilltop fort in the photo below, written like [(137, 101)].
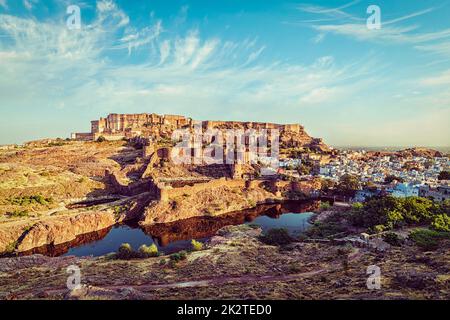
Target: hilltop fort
[(154, 126)]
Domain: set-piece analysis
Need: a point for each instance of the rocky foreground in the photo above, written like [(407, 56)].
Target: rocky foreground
[(237, 265)]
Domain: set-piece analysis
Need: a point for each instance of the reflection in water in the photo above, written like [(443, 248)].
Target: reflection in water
[(204, 227), (61, 249), (176, 236)]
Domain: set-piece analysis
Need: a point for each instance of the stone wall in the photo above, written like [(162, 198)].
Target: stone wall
[(132, 189), (83, 136), (276, 186), (119, 123), (167, 192), (306, 187)]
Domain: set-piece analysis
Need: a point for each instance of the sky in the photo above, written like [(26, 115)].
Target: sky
[(310, 62)]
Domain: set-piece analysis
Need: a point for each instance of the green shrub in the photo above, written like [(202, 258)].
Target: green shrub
[(441, 222), (417, 210), (276, 237), (148, 251), (393, 239), (357, 206), (182, 255), (172, 263), (120, 209), (81, 180), (393, 212), (196, 245), (125, 252), (325, 205), (325, 229), (28, 200), (428, 239), (45, 174), (17, 214), (378, 228), (101, 139), (251, 203), (11, 247)]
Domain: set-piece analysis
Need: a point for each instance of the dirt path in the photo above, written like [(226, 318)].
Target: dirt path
[(188, 284)]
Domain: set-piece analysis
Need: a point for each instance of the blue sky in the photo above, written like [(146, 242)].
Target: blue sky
[(314, 63)]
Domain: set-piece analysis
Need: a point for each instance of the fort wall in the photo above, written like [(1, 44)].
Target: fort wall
[(169, 193), (166, 193), (83, 136), (129, 125)]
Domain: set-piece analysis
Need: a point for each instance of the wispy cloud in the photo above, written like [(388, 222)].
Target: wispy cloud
[(318, 38), (442, 79), (355, 27), (332, 13), (184, 71), (409, 16), (29, 4), (134, 40), (389, 34), (442, 48), (4, 4)]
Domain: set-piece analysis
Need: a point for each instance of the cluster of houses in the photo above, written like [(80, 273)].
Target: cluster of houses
[(438, 193), (410, 176), (416, 176), (415, 170)]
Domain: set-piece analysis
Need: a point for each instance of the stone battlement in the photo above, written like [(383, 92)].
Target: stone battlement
[(116, 126)]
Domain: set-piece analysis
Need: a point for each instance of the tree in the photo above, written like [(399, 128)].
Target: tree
[(417, 209), (444, 175), (386, 213), (370, 185), (441, 222), (327, 184), (348, 184)]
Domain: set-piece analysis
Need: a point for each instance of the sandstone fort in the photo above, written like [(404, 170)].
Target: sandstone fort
[(154, 126)]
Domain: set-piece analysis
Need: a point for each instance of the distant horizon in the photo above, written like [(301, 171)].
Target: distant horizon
[(361, 147), (394, 148)]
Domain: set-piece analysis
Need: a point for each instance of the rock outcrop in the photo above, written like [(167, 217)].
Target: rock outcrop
[(22, 236), (64, 229), (420, 152)]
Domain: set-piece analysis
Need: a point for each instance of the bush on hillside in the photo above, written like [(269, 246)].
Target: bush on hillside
[(324, 205), (196, 245), (393, 239), (276, 237), (125, 252), (148, 251), (379, 214), (441, 222), (176, 257), (428, 239)]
